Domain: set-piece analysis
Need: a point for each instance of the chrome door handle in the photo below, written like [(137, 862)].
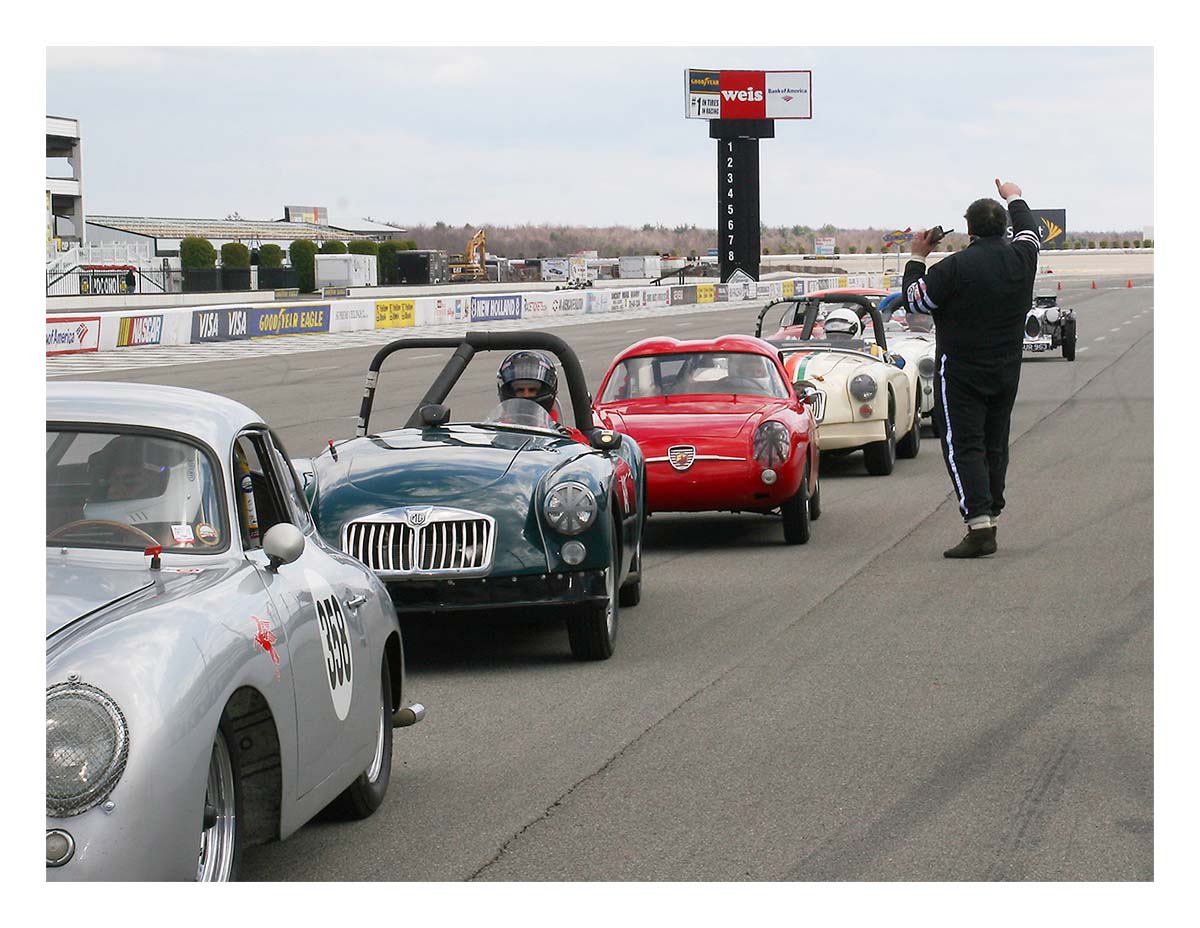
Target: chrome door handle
[(355, 602)]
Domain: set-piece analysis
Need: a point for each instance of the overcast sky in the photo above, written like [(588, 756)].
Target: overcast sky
[(597, 136)]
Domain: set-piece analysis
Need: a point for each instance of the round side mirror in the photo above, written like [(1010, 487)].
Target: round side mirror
[(282, 544)]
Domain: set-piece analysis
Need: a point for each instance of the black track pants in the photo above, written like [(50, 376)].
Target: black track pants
[(973, 405)]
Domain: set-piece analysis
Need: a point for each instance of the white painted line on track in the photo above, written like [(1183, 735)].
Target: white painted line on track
[(1084, 348), (631, 331), (1115, 330), (1127, 322), (1099, 338), (310, 370)]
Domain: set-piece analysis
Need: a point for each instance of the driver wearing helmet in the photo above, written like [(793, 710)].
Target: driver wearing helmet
[(843, 324), (529, 375)]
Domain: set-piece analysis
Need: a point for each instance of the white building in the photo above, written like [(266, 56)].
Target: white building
[(65, 218)]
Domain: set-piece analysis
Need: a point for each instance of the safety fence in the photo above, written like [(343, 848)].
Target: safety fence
[(88, 332)]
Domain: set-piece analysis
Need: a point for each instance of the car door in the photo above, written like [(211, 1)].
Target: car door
[(336, 684)]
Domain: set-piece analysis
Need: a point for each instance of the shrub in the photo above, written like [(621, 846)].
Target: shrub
[(387, 261), (270, 256), (235, 254), (333, 247), (1077, 244), (853, 249), (408, 244), (1125, 243), (361, 246), (1148, 243), (1091, 244), (301, 253), (197, 252), (869, 250), (1103, 243)]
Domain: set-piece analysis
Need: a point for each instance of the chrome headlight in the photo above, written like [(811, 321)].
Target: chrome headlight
[(772, 444), (87, 745), (863, 387), (1033, 326), (1051, 314), (926, 367), (570, 508)]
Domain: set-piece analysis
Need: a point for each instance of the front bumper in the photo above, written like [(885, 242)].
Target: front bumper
[(720, 486), (837, 436), (547, 589)]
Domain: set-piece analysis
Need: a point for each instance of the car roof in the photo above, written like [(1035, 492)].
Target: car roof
[(666, 345), (213, 419)]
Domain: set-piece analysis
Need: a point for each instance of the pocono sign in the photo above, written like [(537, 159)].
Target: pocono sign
[(748, 94)]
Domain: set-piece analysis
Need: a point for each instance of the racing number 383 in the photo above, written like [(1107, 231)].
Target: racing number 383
[(332, 622)]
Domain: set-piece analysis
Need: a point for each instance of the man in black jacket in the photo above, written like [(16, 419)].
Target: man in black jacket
[(978, 298)]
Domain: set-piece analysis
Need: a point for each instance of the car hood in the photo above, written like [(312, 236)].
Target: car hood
[(81, 584), (819, 366), (671, 418), (455, 465)]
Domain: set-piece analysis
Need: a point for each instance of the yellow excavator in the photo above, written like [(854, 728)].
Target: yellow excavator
[(470, 266)]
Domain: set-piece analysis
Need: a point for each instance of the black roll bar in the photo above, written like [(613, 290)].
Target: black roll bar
[(465, 348)]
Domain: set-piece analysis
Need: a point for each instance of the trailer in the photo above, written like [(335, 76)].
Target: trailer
[(640, 267), (422, 267), (346, 271)]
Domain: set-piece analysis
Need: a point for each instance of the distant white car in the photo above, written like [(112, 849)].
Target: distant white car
[(911, 336), (1048, 327)]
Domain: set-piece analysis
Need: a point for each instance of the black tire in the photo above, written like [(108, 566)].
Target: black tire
[(592, 629), (1068, 341), (880, 456), (222, 839), (631, 589), (910, 445), (814, 501), (365, 794), (796, 516)]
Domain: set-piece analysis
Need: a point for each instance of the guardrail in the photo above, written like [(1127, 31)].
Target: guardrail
[(80, 332)]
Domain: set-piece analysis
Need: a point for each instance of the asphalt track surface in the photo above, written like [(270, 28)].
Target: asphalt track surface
[(855, 709)]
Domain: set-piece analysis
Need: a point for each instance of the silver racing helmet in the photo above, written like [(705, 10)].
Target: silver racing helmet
[(528, 375)]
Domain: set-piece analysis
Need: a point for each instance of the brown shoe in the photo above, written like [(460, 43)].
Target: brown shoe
[(979, 542)]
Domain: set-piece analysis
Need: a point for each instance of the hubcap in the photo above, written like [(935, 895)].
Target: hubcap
[(217, 843), (610, 616)]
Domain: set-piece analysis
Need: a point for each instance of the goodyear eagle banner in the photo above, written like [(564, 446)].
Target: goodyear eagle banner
[(288, 320)]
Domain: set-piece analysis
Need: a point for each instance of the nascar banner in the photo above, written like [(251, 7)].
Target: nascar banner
[(747, 94)]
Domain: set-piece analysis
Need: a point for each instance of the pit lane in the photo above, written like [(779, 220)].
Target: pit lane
[(857, 708)]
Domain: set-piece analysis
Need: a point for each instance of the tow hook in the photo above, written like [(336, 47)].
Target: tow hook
[(408, 715)]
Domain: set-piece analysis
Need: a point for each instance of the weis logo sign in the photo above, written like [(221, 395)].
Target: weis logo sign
[(743, 94)]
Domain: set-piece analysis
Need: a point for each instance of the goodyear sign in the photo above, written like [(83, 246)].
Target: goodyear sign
[(395, 314), (139, 330), (288, 320)]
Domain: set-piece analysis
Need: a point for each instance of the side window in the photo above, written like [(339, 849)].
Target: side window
[(260, 501), (293, 490)]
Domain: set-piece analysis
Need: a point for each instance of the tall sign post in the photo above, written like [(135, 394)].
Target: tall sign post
[(741, 107)]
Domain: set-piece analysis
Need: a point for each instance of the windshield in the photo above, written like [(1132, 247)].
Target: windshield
[(131, 491), (520, 413), (699, 372)]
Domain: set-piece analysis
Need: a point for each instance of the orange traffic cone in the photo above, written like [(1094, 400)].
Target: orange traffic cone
[(1129, 284), (1093, 285)]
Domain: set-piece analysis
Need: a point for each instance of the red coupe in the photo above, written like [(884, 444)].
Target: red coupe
[(721, 428)]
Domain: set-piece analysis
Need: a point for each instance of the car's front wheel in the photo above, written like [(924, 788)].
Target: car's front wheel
[(592, 629), (796, 515), (221, 828), (880, 456), (1068, 340), (365, 794)]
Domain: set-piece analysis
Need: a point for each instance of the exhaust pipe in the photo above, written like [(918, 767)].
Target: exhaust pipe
[(408, 715)]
